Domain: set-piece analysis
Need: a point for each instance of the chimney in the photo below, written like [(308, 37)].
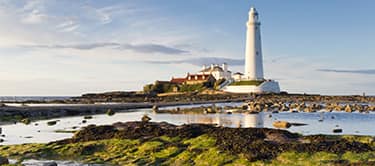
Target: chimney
[(225, 67)]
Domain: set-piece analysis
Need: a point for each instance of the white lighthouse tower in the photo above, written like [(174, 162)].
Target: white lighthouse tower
[(253, 80), (254, 59)]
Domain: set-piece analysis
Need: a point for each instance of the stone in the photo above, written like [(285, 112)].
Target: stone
[(50, 164), (145, 118), (282, 124), (87, 117), (337, 130), (348, 108), (155, 108), (52, 123), (26, 121), (3, 160), (110, 112)]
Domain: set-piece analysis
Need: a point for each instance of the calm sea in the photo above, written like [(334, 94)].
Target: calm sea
[(31, 98)]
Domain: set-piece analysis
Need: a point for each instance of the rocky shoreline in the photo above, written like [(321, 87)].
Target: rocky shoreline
[(122, 101), (10, 114), (151, 143)]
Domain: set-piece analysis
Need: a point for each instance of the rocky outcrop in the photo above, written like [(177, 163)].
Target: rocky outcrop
[(254, 143), (3, 160)]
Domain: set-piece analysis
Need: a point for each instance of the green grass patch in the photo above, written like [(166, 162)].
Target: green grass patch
[(250, 82), (165, 150)]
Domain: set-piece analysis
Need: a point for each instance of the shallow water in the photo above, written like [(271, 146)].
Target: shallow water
[(45, 162), (351, 123)]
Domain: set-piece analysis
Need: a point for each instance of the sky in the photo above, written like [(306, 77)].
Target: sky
[(71, 47)]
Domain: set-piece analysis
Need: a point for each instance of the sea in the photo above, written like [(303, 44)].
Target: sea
[(32, 98)]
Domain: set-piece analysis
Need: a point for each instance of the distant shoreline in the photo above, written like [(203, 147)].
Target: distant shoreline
[(91, 104), (57, 111)]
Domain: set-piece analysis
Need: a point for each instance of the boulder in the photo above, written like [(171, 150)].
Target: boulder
[(3, 160), (155, 108), (26, 121), (110, 112), (52, 123), (282, 124), (87, 117), (348, 108), (145, 118), (50, 164), (337, 130)]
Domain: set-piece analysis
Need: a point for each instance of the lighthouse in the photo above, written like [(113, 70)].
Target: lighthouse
[(254, 59), (253, 81)]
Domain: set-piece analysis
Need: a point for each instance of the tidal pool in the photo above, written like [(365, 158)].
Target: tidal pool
[(351, 123)]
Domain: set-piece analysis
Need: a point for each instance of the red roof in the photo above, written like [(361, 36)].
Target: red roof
[(178, 80)]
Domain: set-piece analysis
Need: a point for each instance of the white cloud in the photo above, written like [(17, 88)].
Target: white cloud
[(33, 12), (105, 14), (34, 17), (68, 26)]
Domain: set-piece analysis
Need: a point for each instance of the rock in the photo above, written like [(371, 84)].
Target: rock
[(210, 110), (87, 117), (3, 161), (1, 140), (26, 121), (337, 130), (294, 111), (52, 123), (298, 124), (50, 164), (145, 118), (155, 108), (84, 121), (348, 108), (282, 124), (110, 112)]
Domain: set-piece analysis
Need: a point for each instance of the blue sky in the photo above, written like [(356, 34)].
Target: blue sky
[(66, 47)]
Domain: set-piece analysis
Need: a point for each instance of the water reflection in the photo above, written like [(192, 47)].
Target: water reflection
[(318, 123), (237, 120)]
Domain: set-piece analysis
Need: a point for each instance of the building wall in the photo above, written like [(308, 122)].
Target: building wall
[(191, 82), (237, 77), (218, 74), (265, 87)]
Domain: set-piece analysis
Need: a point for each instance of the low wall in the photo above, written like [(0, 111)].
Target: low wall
[(265, 87)]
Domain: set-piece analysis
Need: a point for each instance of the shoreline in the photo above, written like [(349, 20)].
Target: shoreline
[(9, 114), (152, 143)]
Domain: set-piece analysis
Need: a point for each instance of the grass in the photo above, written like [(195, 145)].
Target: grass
[(250, 82), (165, 150)]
